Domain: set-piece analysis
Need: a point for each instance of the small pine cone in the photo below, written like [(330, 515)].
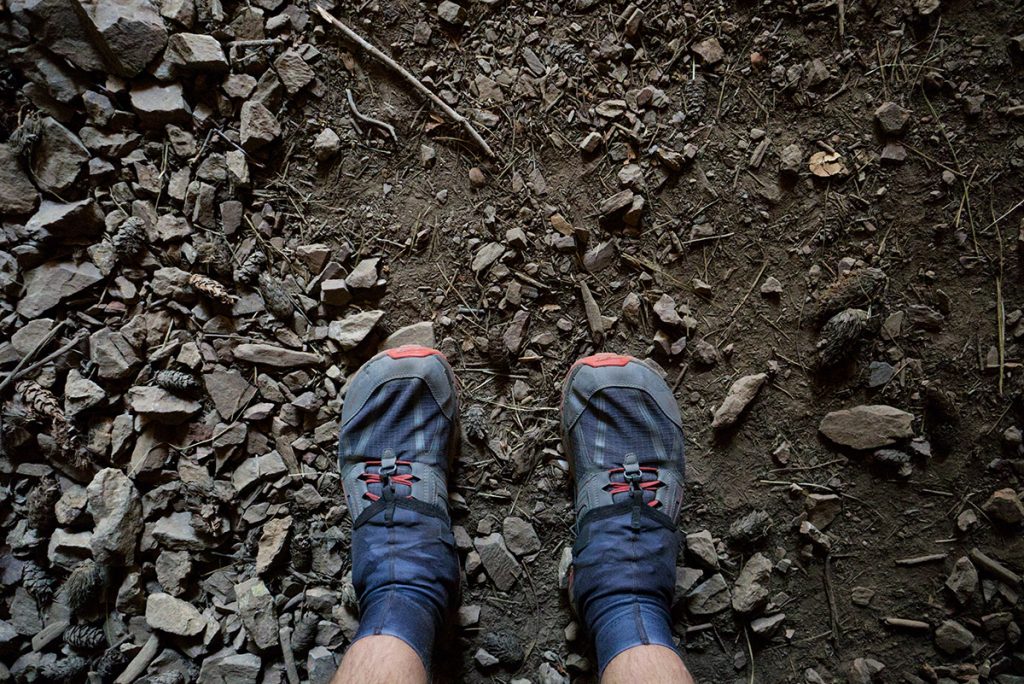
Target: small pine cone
[(130, 239), (211, 288), (178, 382), (840, 337), (38, 582), (276, 298), (854, 289), (304, 635), (39, 505), (213, 253), (112, 663), (85, 637), (250, 270), (300, 552), (70, 669), (505, 646), (83, 589), (475, 424), (41, 400)]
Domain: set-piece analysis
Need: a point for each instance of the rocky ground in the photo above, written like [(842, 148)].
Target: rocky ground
[(808, 215)]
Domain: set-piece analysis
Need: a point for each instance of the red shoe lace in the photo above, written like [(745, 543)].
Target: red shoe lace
[(386, 475), (633, 482)]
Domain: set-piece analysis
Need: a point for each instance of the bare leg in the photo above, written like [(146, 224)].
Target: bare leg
[(380, 660), (646, 665)]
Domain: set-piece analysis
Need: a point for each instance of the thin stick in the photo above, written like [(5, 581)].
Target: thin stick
[(750, 653), (369, 119), (753, 284), (413, 81), (833, 610)]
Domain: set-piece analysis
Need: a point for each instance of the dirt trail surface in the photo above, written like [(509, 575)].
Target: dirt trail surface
[(808, 215)]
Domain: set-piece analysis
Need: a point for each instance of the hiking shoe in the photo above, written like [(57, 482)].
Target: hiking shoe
[(398, 430), (623, 434), (624, 439), (398, 434)]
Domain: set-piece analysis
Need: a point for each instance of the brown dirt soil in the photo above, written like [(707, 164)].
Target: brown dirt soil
[(939, 243)]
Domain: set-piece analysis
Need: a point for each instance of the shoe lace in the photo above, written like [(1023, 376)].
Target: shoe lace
[(639, 482), (382, 477)]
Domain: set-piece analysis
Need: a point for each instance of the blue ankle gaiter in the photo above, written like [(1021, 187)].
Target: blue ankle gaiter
[(405, 571), (624, 571)]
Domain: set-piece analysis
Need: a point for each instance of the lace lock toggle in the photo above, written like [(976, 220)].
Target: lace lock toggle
[(388, 465)]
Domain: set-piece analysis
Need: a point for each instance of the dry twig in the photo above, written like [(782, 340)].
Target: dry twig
[(415, 82)]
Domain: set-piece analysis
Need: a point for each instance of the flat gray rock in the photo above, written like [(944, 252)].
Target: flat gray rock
[(867, 427), (174, 616), (79, 221), (128, 33), (113, 354), (740, 395), (293, 71), (258, 126), (196, 52), (231, 668), (709, 597), (158, 105), (48, 285), (117, 513), (58, 158), (500, 564), (750, 591), (278, 357), (256, 609), (350, 331), (17, 194), (158, 404), (419, 334)]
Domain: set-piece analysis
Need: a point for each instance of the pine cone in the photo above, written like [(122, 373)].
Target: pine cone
[(130, 239), (276, 298), (39, 505), (505, 646), (304, 635), (85, 637), (38, 582), (83, 589), (250, 270), (213, 253), (45, 405), (178, 382), (211, 288), (854, 289), (300, 552), (840, 337), (41, 400), (109, 665), (475, 424), (70, 669)]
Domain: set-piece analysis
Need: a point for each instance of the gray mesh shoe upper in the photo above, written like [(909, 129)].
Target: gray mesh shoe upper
[(623, 434), (398, 429)]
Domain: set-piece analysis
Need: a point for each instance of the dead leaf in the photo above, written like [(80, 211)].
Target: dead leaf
[(827, 164)]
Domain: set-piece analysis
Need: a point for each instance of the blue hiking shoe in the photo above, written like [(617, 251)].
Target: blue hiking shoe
[(624, 438), (399, 432)]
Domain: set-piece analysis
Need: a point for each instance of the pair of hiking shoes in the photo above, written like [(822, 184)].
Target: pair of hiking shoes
[(623, 437)]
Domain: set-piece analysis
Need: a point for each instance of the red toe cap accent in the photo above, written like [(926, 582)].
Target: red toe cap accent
[(604, 359), (412, 351)]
